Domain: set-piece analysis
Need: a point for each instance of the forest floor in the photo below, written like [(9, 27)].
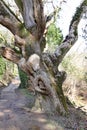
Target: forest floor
[(16, 113)]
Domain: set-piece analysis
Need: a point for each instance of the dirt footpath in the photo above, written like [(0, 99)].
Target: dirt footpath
[(15, 114)]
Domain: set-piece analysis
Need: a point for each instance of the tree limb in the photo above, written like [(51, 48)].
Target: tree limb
[(50, 19), (8, 11), (20, 5), (39, 17), (8, 18), (19, 41), (53, 60), (69, 41), (8, 24), (28, 14), (50, 16), (9, 54), (10, 21)]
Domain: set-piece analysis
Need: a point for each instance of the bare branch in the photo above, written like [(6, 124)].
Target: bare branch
[(39, 17), (8, 24), (10, 21), (6, 11), (70, 39), (52, 15), (9, 54), (51, 18), (28, 14), (8, 18), (19, 41)]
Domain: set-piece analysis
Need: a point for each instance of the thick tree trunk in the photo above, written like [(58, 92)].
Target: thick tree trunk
[(42, 69), (44, 84)]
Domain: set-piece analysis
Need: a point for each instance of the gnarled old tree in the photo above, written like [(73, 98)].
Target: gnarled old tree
[(41, 68)]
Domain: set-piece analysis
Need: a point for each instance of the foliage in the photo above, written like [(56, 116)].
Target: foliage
[(85, 2), (2, 67), (77, 15), (23, 78), (70, 67), (54, 36), (7, 69)]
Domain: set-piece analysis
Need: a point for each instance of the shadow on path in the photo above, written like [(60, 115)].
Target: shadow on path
[(14, 115)]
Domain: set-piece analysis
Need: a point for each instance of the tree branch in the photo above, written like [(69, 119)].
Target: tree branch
[(28, 14), (70, 39), (50, 19), (8, 24), (10, 21), (39, 15), (8, 18), (8, 11), (53, 14), (33, 15), (19, 41), (9, 54)]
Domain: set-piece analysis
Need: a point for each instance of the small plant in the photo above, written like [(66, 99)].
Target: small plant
[(23, 78), (2, 67)]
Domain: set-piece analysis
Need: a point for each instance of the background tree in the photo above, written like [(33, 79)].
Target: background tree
[(53, 37), (41, 68), (7, 69)]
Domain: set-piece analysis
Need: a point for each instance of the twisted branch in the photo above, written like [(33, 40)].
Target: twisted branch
[(57, 57), (9, 54), (8, 18), (70, 39)]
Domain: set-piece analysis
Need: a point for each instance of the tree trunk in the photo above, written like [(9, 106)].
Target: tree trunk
[(41, 68), (45, 85)]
